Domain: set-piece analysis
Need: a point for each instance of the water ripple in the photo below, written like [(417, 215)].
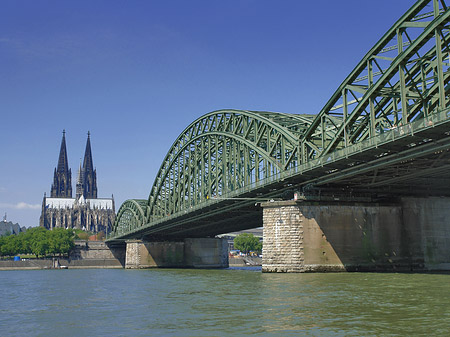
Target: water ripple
[(171, 302)]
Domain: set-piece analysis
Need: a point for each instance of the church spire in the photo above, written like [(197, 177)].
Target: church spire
[(79, 189), (62, 178), (87, 163), (88, 173)]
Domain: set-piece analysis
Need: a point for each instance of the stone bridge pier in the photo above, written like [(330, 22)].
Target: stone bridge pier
[(412, 234), (185, 253)]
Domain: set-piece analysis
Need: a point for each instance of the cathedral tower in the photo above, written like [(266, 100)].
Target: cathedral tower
[(85, 211), (89, 175), (62, 178)]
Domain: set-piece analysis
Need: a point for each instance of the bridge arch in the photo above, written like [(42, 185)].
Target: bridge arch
[(222, 151), (216, 154), (404, 78), (131, 215)]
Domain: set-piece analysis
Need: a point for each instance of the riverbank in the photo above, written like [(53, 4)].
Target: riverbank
[(35, 264), (48, 263), (85, 254), (96, 254), (242, 261)]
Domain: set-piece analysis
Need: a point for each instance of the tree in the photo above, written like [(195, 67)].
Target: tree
[(22, 245), (60, 241), (8, 245), (81, 235), (38, 241), (246, 242)]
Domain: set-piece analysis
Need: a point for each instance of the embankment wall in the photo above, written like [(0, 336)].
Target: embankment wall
[(86, 254)]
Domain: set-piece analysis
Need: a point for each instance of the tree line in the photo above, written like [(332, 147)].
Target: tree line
[(39, 242), (246, 243)]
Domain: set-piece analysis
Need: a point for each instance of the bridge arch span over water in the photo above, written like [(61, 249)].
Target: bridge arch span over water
[(220, 153), (375, 137)]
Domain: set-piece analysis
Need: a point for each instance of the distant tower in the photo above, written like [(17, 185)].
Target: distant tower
[(79, 189), (62, 178), (89, 175)]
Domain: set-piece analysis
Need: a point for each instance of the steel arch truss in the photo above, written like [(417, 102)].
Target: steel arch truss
[(404, 77), (131, 215), (221, 152)]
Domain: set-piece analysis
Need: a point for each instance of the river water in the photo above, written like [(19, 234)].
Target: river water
[(229, 302)]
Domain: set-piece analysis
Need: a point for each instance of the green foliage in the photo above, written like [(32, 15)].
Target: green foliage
[(82, 235), (8, 244), (101, 236), (247, 242), (38, 241), (21, 243), (60, 241)]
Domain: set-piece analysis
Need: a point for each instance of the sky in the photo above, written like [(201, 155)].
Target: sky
[(137, 73)]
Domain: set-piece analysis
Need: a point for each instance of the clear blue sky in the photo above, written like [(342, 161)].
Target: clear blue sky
[(136, 73)]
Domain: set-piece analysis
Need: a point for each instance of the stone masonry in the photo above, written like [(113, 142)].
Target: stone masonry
[(412, 234), (132, 255), (283, 249), (187, 253)]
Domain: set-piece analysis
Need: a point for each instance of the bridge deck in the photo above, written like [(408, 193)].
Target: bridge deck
[(383, 134), (409, 161)]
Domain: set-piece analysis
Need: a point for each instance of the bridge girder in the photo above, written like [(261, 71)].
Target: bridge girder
[(393, 107), (130, 215), (223, 151), (411, 82), (217, 154)]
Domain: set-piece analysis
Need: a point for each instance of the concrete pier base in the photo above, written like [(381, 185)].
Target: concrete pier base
[(187, 253), (411, 235)]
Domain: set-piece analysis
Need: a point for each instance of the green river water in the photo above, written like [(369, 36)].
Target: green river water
[(229, 302)]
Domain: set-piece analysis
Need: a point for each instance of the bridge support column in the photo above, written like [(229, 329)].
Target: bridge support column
[(186, 253), (410, 235)]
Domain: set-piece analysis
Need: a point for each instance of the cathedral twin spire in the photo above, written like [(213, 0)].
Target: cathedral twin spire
[(62, 178), (87, 176)]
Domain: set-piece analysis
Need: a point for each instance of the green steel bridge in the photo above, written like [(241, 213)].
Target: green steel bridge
[(385, 133)]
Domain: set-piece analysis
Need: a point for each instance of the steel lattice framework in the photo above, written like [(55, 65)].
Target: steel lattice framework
[(218, 153), (401, 84), (401, 79)]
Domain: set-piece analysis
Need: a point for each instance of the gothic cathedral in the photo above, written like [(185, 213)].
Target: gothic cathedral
[(85, 211)]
